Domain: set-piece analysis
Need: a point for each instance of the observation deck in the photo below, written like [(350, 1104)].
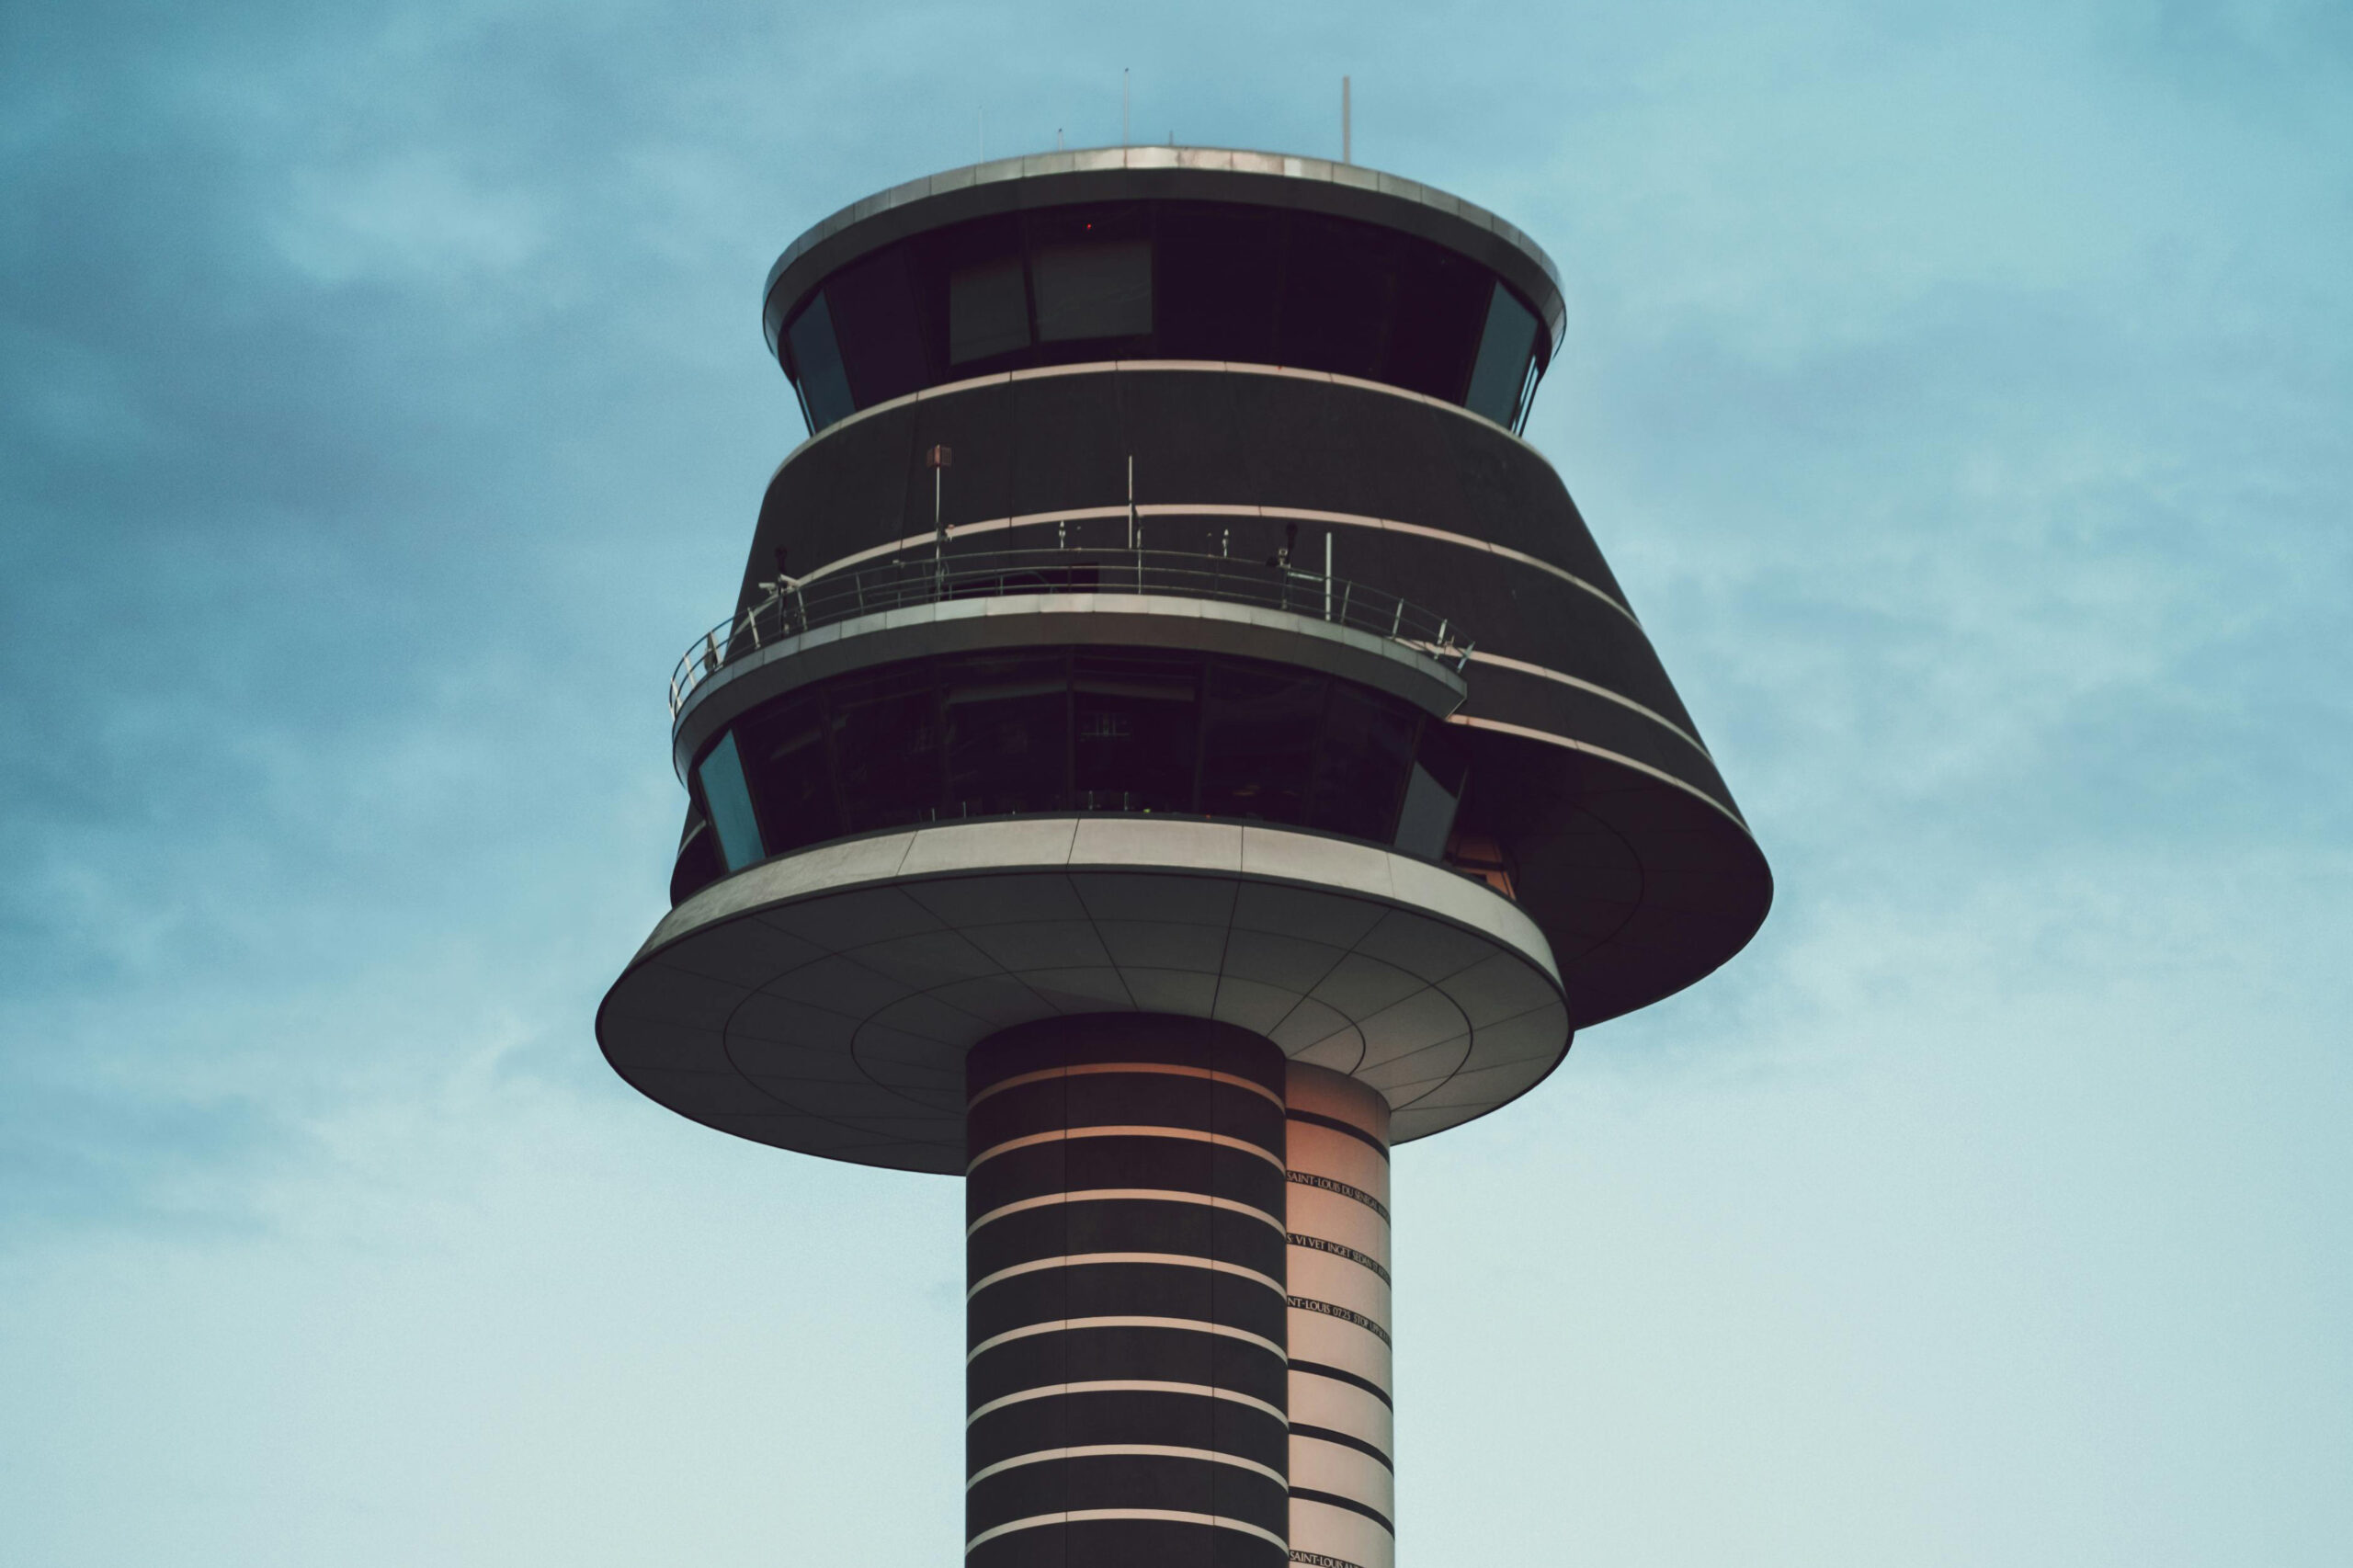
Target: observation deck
[(1173, 740)]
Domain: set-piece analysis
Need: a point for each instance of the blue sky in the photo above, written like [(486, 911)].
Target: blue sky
[(1964, 395)]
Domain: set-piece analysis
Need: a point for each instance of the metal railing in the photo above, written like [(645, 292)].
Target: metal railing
[(791, 608)]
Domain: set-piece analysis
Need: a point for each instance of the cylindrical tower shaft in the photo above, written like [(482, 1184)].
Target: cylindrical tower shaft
[(1126, 1250), (1342, 1484)]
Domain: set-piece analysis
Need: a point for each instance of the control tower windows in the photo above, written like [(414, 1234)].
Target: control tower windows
[(1162, 279), (1507, 350), (1055, 730), (817, 364), (730, 804), (1133, 733)]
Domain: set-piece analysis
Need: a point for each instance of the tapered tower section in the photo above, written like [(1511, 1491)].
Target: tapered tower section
[(1173, 741)]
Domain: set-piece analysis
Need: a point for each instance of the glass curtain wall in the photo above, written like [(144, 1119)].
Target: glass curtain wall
[(1060, 729), (1164, 279)]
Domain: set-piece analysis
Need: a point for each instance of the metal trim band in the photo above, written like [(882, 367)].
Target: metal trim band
[(1124, 1385), (1332, 1499), (1083, 1259), (1184, 1133), (1345, 1440), (1315, 1118), (1150, 1451), (1084, 1069), (1189, 1325), (1170, 1515), (1129, 1194)]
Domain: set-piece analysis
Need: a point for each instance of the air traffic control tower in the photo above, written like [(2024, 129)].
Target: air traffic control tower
[(1174, 742)]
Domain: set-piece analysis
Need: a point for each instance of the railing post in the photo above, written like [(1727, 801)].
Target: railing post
[(1398, 620)]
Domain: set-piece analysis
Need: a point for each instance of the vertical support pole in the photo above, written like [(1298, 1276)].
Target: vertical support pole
[(1346, 151), (1327, 574)]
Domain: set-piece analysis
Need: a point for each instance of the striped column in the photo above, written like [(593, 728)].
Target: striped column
[(1343, 1482), (1126, 1312)]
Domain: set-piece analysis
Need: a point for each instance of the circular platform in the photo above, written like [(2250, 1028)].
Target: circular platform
[(824, 1001)]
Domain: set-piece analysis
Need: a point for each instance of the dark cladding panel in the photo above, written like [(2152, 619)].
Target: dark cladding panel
[(873, 307), (1340, 287), (1219, 268), (1069, 446)]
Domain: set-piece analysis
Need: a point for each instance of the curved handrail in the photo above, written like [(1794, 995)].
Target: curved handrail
[(792, 608)]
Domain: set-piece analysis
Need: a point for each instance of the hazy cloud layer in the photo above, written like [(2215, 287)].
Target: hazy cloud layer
[(1965, 401)]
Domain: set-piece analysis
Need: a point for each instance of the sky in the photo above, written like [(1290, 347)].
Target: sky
[(1964, 395)]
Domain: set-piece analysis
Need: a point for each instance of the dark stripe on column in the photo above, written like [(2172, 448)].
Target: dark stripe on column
[(1336, 1125), (1335, 1500), (1319, 1245), (1171, 1290), (1176, 1483), (1326, 1435), (1308, 1178), (1128, 1543), (1085, 1355), (1127, 1416), (1338, 1375), (1126, 1224)]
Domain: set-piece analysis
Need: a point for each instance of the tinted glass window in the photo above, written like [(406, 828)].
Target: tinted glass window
[(817, 361), (1441, 768), (1259, 727), (791, 777), (1186, 281), (1094, 291), (874, 318), (1219, 279), (1367, 750), (1504, 350), (988, 311), (1059, 728), (1135, 724), (885, 733), (728, 805), (1008, 734), (1442, 300), (1340, 294)]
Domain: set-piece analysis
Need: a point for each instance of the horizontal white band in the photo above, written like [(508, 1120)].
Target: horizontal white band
[(1219, 510), (1145, 1194), (1192, 1325), (1105, 1450), (1172, 1516), (1084, 1068), (1521, 666), (1606, 755), (1125, 1385), (1173, 1259), (1186, 1134)]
